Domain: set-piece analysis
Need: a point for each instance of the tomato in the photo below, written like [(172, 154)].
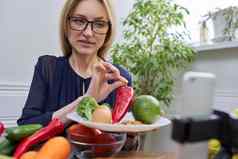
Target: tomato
[(106, 142), (103, 143), (81, 133)]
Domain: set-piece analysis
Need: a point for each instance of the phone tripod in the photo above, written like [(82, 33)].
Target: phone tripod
[(219, 125)]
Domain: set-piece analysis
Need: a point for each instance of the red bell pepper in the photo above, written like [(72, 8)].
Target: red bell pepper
[(2, 128), (124, 96), (54, 128)]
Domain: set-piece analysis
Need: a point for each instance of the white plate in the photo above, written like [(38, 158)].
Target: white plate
[(120, 127)]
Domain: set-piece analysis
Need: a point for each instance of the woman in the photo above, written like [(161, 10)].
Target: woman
[(87, 29)]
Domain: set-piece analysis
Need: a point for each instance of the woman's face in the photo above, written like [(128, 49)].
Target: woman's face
[(88, 26)]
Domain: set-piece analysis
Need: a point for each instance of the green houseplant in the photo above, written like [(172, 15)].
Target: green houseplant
[(150, 51), (225, 23)]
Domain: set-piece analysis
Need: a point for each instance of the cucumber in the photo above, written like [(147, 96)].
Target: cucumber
[(5, 157), (6, 146), (22, 131)]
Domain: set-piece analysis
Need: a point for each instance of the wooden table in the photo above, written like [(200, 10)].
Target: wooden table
[(141, 155)]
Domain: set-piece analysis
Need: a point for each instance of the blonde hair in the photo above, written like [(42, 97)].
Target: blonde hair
[(68, 8)]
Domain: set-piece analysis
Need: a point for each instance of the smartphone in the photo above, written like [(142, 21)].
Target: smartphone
[(198, 90)]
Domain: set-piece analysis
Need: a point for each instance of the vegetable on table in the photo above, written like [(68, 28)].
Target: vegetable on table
[(214, 146), (54, 128), (29, 155), (235, 156), (86, 107), (5, 157), (1, 128), (146, 108), (105, 139), (83, 134), (6, 146), (20, 132), (55, 148), (124, 96), (235, 112), (102, 114)]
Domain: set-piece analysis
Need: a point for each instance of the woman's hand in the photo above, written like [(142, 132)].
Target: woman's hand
[(99, 87)]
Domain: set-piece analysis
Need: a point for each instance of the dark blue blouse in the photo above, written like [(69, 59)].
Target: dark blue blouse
[(54, 85)]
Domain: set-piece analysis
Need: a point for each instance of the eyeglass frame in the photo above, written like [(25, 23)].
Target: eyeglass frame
[(86, 26)]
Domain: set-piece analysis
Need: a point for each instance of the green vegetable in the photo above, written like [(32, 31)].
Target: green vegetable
[(6, 146), (106, 104), (86, 107), (146, 108), (235, 156), (20, 132), (235, 111), (5, 157), (214, 147)]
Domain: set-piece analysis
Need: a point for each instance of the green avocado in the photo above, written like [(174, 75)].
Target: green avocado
[(146, 108)]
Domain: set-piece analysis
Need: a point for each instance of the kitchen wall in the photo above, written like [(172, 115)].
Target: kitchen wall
[(221, 59), (28, 30)]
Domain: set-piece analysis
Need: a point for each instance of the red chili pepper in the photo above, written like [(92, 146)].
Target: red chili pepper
[(2, 128), (54, 128), (124, 96)]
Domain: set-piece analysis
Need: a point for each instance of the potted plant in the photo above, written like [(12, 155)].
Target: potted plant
[(225, 23), (150, 50)]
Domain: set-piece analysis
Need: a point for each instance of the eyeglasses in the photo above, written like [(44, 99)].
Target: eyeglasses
[(81, 24)]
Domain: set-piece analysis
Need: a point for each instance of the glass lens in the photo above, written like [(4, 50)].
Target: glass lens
[(78, 23), (98, 26)]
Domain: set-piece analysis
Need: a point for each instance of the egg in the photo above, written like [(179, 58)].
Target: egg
[(102, 114)]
